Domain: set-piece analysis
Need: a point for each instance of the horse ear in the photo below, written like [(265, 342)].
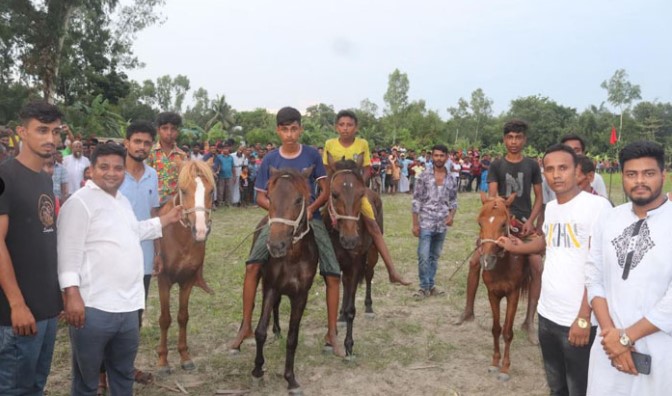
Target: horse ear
[(330, 161), (274, 171), (359, 158), (510, 199), (483, 197), (308, 171)]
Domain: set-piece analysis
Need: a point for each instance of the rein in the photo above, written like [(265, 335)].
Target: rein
[(335, 216)]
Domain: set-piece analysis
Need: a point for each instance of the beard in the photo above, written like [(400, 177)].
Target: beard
[(137, 158), (655, 194)]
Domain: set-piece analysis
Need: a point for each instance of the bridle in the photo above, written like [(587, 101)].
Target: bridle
[(295, 224), (507, 226), (178, 199), (335, 216)]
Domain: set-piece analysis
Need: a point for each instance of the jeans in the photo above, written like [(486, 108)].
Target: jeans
[(566, 366), (25, 361), (429, 250), (109, 338)]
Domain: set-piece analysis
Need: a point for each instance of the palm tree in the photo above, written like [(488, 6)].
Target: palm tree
[(221, 112)]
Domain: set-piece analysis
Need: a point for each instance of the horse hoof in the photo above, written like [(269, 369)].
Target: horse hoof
[(188, 366), (327, 349), (257, 382), (370, 315), (295, 392), (349, 358), (278, 336), (234, 352), (493, 369), (503, 377), (163, 372)]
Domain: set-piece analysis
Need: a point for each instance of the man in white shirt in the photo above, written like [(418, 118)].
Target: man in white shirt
[(75, 164), (566, 331), (100, 270), (629, 282), (239, 160)]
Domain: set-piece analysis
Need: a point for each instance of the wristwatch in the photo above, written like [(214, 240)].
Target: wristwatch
[(583, 323), (625, 340)]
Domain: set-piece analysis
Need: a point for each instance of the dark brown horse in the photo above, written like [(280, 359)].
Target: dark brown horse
[(182, 253), (354, 248), (292, 264), (504, 274)]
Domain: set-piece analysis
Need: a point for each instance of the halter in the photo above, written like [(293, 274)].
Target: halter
[(178, 199), (508, 232), (294, 223), (335, 216)]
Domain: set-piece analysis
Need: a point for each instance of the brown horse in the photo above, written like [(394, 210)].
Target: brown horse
[(182, 253), (354, 248), (292, 263), (504, 274)]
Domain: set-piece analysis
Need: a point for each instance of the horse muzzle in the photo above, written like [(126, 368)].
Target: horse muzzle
[(278, 249), (488, 262), (349, 242)]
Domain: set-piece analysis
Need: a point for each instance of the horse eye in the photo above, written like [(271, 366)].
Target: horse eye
[(334, 194), (298, 201)]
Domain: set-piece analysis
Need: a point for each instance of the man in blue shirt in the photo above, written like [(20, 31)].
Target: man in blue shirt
[(225, 177), (141, 188)]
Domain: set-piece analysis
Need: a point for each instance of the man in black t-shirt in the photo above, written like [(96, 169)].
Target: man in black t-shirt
[(514, 174), (30, 299)]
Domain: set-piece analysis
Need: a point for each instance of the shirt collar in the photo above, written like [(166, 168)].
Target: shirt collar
[(175, 149)]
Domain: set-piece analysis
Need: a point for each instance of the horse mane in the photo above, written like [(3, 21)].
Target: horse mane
[(346, 164), (192, 169), (295, 177)]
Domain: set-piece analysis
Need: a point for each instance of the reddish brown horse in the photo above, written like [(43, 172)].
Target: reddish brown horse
[(354, 248), (504, 274), (182, 253), (292, 264)]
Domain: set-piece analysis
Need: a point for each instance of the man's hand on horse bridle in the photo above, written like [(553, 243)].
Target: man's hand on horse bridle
[(508, 243), (171, 217), (528, 228)]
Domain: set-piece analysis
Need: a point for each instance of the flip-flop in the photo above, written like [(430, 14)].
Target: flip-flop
[(143, 378), (102, 390), (436, 292)]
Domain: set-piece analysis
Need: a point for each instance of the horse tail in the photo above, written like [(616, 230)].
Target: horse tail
[(527, 278)]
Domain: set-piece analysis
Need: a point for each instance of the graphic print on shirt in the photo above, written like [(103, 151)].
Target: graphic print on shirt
[(640, 244), (514, 185), (45, 212), (562, 235)]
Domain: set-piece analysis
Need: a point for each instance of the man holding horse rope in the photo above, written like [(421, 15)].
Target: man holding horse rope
[(292, 154), (514, 174), (566, 331), (347, 146)]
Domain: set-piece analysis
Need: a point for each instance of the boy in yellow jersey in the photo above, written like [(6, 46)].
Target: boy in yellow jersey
[(347, 145)]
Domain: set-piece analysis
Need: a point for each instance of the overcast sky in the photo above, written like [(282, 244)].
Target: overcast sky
[(270, 53)]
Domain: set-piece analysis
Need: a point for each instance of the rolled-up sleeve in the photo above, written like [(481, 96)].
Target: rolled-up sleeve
[(595, 263), (73, 225)]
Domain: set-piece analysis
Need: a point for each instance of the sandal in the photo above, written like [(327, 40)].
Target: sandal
[(436, 292), (143, 378), (102, 390), (421, 294)]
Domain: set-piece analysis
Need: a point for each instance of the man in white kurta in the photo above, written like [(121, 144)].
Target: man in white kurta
[(75, 164), (100, 270), (633, 306)]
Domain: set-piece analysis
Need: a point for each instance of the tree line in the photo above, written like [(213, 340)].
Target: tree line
[(75, 53)]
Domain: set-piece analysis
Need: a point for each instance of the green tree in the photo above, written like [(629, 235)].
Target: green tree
[(396, 100), (548, 120), (621, 93), (220, 113), (170, 92), (481, 110)]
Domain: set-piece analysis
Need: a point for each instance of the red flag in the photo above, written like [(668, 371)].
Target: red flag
[(613, 138)]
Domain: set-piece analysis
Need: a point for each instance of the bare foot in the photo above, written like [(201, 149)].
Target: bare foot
[(396, 278), (332, 341), (465, 317), (242, 335)]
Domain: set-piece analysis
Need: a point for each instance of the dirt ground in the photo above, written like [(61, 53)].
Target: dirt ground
[(411, 347)]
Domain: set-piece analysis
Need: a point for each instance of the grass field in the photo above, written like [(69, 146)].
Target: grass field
[(411, 347)]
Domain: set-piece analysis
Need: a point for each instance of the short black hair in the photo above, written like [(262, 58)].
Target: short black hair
[(516, 125), (440, 147), (41, 111), (107, 149), (553, 148), (168, 117), (642, 149), (585, 164), (140, 126), (347, 113), (287, 115), (574, 136)]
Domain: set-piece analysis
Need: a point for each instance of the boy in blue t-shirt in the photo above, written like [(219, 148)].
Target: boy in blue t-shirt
[(292, 154)]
